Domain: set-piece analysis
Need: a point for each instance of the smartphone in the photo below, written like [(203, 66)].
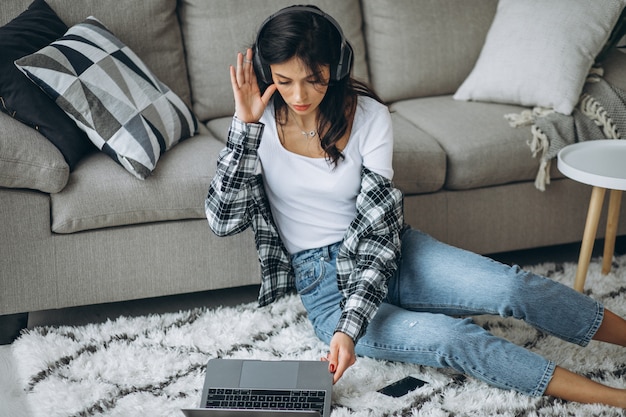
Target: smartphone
[(402, 387)]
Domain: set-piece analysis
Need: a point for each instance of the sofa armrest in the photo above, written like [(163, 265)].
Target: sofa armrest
[(615, 68), (29, 160)]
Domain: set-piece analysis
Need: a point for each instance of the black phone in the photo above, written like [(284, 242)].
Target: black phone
[(402, 386)]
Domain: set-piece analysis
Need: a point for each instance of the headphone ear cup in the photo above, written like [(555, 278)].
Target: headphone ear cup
[(345, 63), (261, 69)]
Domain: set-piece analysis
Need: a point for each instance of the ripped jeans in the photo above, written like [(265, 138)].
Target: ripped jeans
[(424, 319)]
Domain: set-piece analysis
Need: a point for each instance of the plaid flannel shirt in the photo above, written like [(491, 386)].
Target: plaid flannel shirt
[(367, 256)]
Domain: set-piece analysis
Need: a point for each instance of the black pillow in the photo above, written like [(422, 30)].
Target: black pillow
[(32, 30)]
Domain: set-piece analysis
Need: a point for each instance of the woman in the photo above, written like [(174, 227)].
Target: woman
[(308, 166)]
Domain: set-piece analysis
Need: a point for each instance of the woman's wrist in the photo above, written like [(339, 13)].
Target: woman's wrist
[(243, 120)]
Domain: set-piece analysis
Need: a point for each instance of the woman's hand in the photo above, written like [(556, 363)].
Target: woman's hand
[(341, 355), (249, 104)]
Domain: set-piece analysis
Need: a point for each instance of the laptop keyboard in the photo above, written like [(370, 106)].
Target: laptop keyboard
[(260, 399)]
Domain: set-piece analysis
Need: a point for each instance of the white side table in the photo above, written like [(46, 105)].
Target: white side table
[(602, 164)]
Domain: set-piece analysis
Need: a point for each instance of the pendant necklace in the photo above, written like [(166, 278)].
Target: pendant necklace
[(307, 135)]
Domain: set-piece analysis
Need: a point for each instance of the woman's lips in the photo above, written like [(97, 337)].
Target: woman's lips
[(301, 107)]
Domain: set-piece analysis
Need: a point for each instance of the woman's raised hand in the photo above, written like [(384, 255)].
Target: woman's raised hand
[(249, 104)]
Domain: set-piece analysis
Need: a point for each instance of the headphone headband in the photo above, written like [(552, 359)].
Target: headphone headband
[(337, 72)]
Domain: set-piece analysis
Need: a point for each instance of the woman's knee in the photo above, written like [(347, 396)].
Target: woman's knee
[(406, 333), (459, 345)]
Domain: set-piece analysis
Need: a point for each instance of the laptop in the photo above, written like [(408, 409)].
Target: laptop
[(257, 388)]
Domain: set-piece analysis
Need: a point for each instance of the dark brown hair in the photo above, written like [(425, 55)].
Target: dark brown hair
[(317, 43)]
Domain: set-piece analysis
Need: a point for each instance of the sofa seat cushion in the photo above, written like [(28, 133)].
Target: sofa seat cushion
[(216, 30), (482, 148), (419, 162), (101, 194)]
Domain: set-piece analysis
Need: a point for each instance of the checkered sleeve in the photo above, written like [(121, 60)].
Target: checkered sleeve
[(369, 252), (229, 197)]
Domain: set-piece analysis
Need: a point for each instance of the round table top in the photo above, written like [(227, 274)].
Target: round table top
[(601, 163)]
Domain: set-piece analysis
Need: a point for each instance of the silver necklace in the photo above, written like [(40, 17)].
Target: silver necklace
[(308, 135)]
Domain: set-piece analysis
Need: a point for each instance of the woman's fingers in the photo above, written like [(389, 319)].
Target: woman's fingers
[(233, 79), (244, 71), (248, 71), (341, 355), (249, 104), (271, 89), (240, 70)]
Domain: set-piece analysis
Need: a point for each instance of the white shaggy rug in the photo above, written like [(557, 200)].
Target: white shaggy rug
[(154, 365)]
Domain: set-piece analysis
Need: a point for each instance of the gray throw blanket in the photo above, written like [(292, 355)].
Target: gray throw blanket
[(599, 114)]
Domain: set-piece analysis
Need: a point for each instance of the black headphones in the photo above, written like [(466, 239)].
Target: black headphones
[(341, 70)]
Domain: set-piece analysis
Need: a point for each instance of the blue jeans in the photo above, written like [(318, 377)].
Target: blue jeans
[(424, 320)]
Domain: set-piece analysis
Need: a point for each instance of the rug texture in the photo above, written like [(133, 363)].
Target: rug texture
[(154, 365)]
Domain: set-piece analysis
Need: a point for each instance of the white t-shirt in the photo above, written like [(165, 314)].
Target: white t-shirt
[(312, 201)]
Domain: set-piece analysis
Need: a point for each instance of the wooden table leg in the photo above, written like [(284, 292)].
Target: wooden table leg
[(612, 220), (591, 229)]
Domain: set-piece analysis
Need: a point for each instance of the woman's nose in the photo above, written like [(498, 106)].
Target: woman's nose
[(300, 92)]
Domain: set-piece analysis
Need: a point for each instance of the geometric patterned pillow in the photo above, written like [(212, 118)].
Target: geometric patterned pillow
[(110, 93)]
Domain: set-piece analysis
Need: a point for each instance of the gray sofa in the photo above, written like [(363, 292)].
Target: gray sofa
[(97, 234)]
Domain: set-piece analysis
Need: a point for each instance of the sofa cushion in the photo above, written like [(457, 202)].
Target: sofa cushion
[(481, 148), (216, 30), (101, 194), (219, 128), (539, 53), (33, 29), (419, 162), (419, 48), (28, 160), (101, 84)]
